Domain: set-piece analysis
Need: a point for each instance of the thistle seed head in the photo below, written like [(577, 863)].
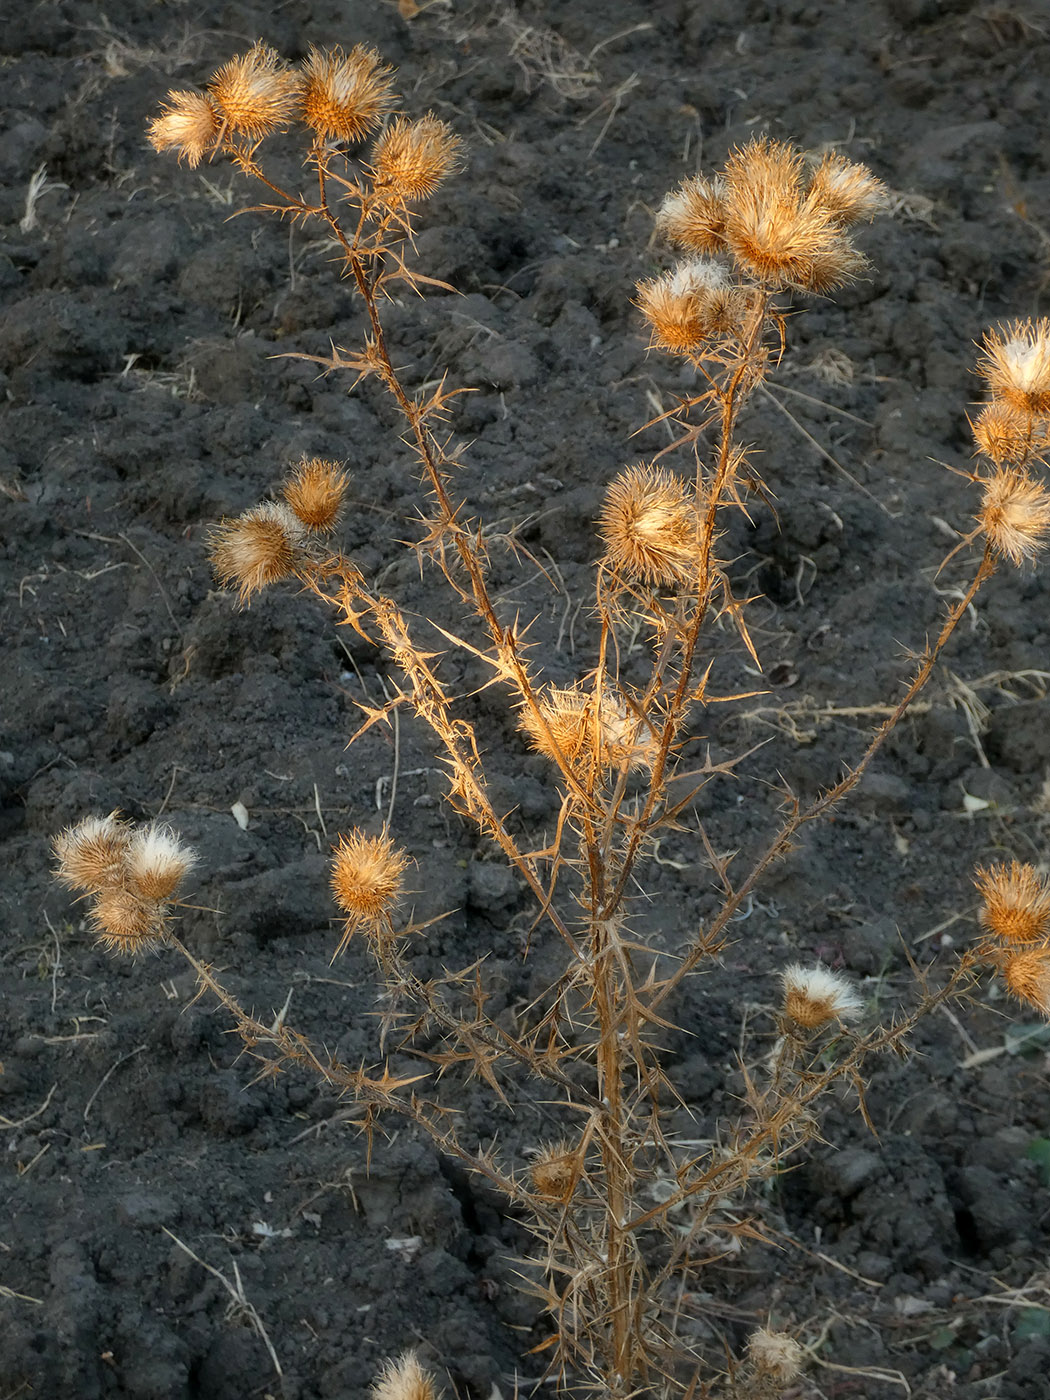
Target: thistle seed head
[(778, 232), (1026, 972), (1008, 435), (156, 862), (589, 729), (404, 1379), (1014, 514), (1015, 902), (91, 853), (345, 96), (693, 301), (412, 158), (814, 996), (555, 1171), (126, 923), (649, 524), (693, 216), (189, 123), (256, 93), (846, 191), (366, 879), (257, 548), (315, 492), (775, 1356), (1016, 364)]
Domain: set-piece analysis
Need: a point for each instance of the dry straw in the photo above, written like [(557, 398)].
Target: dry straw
[(618, 1209)]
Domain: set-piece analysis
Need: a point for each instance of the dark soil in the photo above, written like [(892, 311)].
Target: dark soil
[(142, 399)]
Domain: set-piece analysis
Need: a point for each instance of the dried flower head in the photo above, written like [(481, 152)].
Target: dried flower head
[(366, 879), (256, 93), (693, 301), (189, 123), (91, 853), (345, 96), (774, 1355), (412, 158), (589, 729), (125, 923), (315, 492), (1014, 514), (1015, 902), (1007, 435), (555, 1170), (257, 548), (693, 216), (813, 996), (848, 192), (649, 525), (1026, 972), (156, 862), (776, 230), (404, 1379), (1016, 364)]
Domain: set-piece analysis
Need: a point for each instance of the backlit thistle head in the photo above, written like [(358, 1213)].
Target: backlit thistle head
[(189, 123), (366, 881), (315, 492), (693, 301), (91, 854), (649, 525), (775, 230), (404, 1379), (412, 158), (1016, 364), (345, 96), (693, 215), (1015, 902), (156, 862), (1007, 435), (848, 192), (1026, 972), (588, 729), (257, 548), (256, 93), (125, 923), (774, 1356), (1014, 514), (815, 996), (555, 1171)]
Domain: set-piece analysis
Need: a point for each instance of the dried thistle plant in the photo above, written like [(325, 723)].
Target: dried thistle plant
[(605, 1255)]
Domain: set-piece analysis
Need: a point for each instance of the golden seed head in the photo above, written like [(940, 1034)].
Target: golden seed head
[(1026, 972), (691, 302), (404, 1379), (315, 492), (125, 923), (555, 1172), (649, 525), (1016, 364), (1008, 435), (775, 1355), (813, 996), (256, 93), (257, 548), (589, 729), (366, 878), (156, 863), (1014, 514), (91, 853), (412, 158), (1015, 902), (846, 191), (189, 123), (693, 216), (778, 233), (345, 96)]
